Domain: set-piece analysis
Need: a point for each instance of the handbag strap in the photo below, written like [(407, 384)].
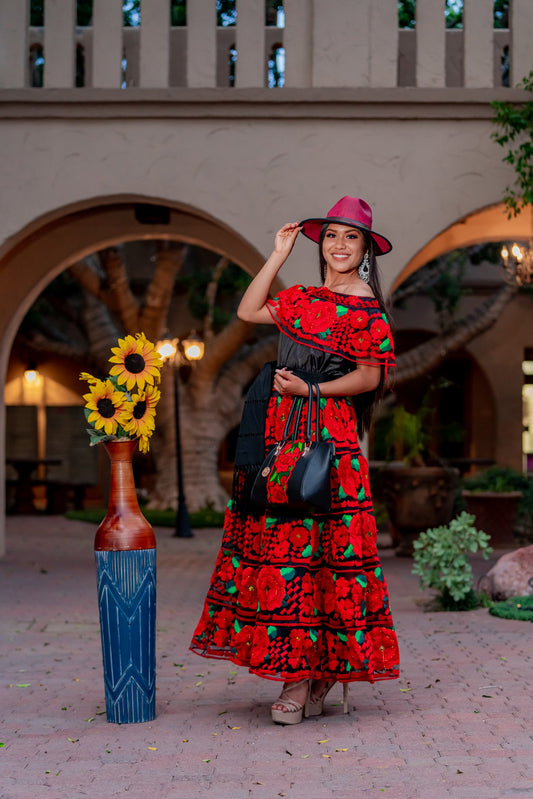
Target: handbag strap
[(313, 404), (295, 405)]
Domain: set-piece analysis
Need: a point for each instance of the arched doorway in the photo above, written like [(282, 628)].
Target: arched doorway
[(38, 253)]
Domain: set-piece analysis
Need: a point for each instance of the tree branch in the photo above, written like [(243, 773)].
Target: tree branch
[(419, 360), (120, 298), (154, 315)]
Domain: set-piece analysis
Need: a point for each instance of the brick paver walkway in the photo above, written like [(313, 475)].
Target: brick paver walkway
[(458, 723)]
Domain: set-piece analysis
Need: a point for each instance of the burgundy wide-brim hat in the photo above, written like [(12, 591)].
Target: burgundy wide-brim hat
[(351, 211)]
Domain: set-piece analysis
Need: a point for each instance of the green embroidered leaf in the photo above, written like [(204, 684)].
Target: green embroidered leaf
[(236, 626), (270, 521), (313, 635), (323, 403), (342, 637), (236, 562), (362, 580), (325, 435), (341, 311), (324, 334), (297, 324), (348, 666), (272, 631), (359, 636), (347, 519), (308, 524), (348, 552), (385, 345), (355, 464), (232, 588), (307, 552), (342, 493), (378, 571), (287, 574), (211, 612), (361, 494)]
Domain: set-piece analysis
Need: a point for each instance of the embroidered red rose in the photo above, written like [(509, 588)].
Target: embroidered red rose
[(270, 588), (342, 587), (348, 476), (242, 641), (379, 330), (318, 316), (362, 341), (276, 493), (359, 320), (299, 536), (313, 650), (325, 591), (385, 645), (307, 603), (374, 594), (248, 589), (346, 610), (260, 646)]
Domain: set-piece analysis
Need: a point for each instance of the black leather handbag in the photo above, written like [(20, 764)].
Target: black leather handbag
[(296, 474)]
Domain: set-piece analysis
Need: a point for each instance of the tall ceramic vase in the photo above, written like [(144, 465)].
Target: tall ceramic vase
[(125, 552)]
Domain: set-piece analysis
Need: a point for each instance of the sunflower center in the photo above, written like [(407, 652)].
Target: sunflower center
[(106, 409), (139, 410), (134, 363)]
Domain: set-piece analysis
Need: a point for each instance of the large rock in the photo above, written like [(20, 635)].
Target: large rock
[(511, 575)]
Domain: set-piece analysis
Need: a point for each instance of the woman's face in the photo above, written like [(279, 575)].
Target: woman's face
[(343, 248)]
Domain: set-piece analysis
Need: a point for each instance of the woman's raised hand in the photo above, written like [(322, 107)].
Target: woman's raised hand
[(285, 238)]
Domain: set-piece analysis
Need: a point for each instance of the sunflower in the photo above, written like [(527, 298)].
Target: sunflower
[(106, 405), (144, 443), (137, 362), (138, 415), (89, 378)]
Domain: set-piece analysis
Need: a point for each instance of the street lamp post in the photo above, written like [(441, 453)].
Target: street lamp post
[(192, 349)]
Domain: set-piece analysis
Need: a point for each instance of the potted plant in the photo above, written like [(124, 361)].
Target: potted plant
[(500, 498), (441, 561), (417, 489)]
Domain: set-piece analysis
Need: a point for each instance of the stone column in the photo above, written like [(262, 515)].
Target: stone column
[(107, 44), (430, 44), (250, 41), (478, 44), (155, 41), (14, 53), (201, 43), (298, 43), (384, 43), (521, 24), (341, 36), (59, 44)]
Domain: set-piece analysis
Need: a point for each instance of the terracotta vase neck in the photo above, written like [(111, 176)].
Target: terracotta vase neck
[(124, 527)]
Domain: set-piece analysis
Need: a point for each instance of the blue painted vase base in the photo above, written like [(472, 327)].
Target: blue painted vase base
[(126, 583)]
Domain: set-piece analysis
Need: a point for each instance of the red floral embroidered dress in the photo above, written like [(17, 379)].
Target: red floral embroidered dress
[(293, 597)]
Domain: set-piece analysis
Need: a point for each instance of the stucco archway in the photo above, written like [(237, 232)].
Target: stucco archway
[(486, 224), (30, 259)]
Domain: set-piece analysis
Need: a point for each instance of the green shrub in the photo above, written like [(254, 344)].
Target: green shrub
[(441, 561)]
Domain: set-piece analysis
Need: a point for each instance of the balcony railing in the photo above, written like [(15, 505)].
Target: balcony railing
[(338, 43)]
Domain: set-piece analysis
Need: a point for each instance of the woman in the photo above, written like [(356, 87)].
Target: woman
[(301, 598)]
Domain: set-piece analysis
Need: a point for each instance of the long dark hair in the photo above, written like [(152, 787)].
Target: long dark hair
[(363, 403)]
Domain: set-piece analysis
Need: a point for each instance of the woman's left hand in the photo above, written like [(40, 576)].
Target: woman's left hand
[(285, 382)]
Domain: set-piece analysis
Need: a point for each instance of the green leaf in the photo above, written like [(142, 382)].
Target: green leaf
[(307, 552), (348, 552), (287, 574), (272, 631), (342, 637), (359, 636), (313, 635)]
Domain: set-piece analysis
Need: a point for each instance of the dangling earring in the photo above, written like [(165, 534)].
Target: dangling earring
[(364, 268)]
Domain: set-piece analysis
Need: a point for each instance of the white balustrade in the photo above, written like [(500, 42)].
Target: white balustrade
[(384, 42), (298, 42), (430, 44), (478, 43), (107, 44), (155, 44), (341, 43), (14, 57), (201, 43), (521, 39), (327, 43), (250, 70), (59, 44)]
